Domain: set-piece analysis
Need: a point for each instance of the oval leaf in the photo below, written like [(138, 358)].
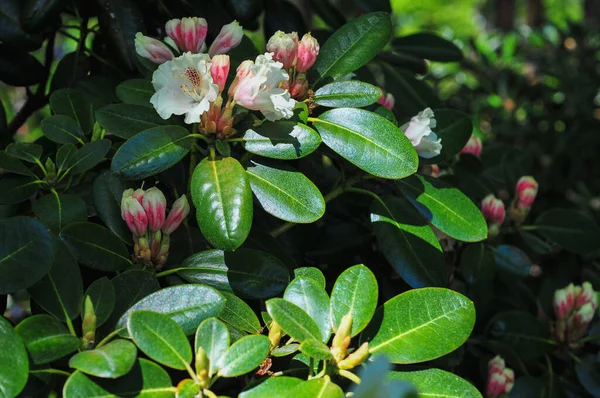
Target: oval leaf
[(238, 314), (212, 335), (126, 120), (353, 93), (103, 296), (46, 338), (411, 95), (108, 190), (110, 361), (293, 320), (283, 139), (315, 349), (136, 92), (244, 355), (58, 211), (572, 230), (455, 129), (437, 383), (428, 46), (311, 273), (89, 156), (513, 260), (16, 189), (316, 388), (14, 364), (75, 104), (312, 298), (272, 387), (62, 129)]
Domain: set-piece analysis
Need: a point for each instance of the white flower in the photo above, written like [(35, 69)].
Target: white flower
[(184, 85), (418, 131), (256, 87)]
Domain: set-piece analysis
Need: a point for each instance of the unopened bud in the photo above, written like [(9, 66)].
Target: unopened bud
[(496, 365), (155, 243), (98, 132), (145, 253), (473, 146), (178, 213), (275, 333), (308, 49), (341, 340), (496, 385), (89, 323), (526, 191), (229, 37), (564, 301), (284, 47), (387, 100), (219, 69), (355, 358), (500, 378), (587, 295), (299, 87), (155, 206), (152, 49), (134, 215), (188, 33), (241, 72), (50, 171), (202, 365), (138, 194), (493, 209)]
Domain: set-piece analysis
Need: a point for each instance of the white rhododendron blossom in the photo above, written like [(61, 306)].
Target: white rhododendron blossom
[(184, 85), (418, 131), (256, 87)]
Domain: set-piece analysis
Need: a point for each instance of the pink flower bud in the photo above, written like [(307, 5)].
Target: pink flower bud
[(495, 385), (509, 374), (229, 37), (178, 213), (583, 316), (155, 205), (435, 170), (188, 33), (134, 215), (587, 295), (496, 365), (241, 72), (284, 47), (299, 87), (387, 100), (500, 378), (493, 209), (219, 69), (473, 146), (138, 194), (308, 49), (152, 49), (560, 304), (526, 192)]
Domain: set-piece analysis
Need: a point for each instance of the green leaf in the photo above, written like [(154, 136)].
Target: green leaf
[(75, 104), (246, 272), (315, 349), (46, 338), (14, 364), (103, 296), (355, 291), (145, 380), (60, 292), (12, 34), (420, 325), (408, 243), (286, 193), (375, 383), (412, 95), (36, 14), (126, 120), (312, 298), (513, 260), (58, 211), (445, 207), (159, 337), (244, 355), (89, 156), (96, 247), (428, 46), (212, 335), (369, 141), (10, 164), (62, 129), (455, 129), (272, 387), (588, 374), (136, 92), (293, 320), (16, 189), (239, 314), (286, 349), (221, 191), (476, 264), (353, 45), (186, 305), (64, 157), (353, 93), (108, 191), (109, 361), (151, 152), (311, 273), (316, 388), (26, 253), (283, 139), (572, 230), (437, 383), (26, 151)]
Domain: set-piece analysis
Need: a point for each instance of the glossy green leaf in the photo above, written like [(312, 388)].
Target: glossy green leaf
[(46, 338), (355, 291), (513, 260), (221, 193), (315, 349), (159, 337), (437, 383), (476, 263), (26, 253), (245, 272), (14, 364), (286, 349), (11, 164), (136, 92), (16, 189), (112, 360), (404, 61), (151, 152), (212, 335), (408, 243), (64, 157), (89, 156), (75, 104), (96, 247), (316, 388), (187, 305), (455, 129), (420, 325), (60, 292), (572, 230), (353, 93), (283, 139), (411, 95), (108, 191), (353, 45), (311, 273), (27, 151), (286, 193), (62, 129), (272, 387), (369, 141), (58, 211), (126, 120), (293, 320), (445, 207), (428, 46), (239, 314), (103, 296), (312, 298), (244, 355)]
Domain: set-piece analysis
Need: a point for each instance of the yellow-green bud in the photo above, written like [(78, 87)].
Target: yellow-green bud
[(202, 366), (89, 323), (98, 132), (341, 340), (355, 358), (275, 332)]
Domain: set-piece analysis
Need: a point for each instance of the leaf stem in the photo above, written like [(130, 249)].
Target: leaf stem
[(349, 375), (109, 337), (169, 272)]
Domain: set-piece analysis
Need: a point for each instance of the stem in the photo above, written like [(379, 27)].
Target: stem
[(349, 375), (51, 371), (575, 357), (169, 272), (311, 365), (109, 337), (238, 139), (193, 162), (550, 371), (246, 157), (528, 227), (201, 136)]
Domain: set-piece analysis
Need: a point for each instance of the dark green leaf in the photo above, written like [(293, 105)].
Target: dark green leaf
[(411, 95), (272, 387), (476, 263), (126, 120), (351, 93), (58, 211), (102, 294), (455, 129), (239, 314), (312, 298), (62, 129), (212, 335), (46, 338), (284, 139), (64, 157), (588, 374), (437, 383), (11, 164), (513, 260), (428, 46), (16, 189), (572, 230), (74, 103), (35, 14), (14, 61), (112, 360), (89, 156), (408, 62), (293, 320), (14, 364), (244, 355), (108, 191), (136, 92), (27, 151)]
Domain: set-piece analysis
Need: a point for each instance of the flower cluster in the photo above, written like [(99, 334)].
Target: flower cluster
[(145, 215), (494, 213), (525, 193), (418, 130), (500, 378), (574, 307)]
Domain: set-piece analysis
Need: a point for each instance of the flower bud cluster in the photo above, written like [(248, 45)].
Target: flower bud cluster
[(341, 341), (500, 378), (494, 213), (574, 308)]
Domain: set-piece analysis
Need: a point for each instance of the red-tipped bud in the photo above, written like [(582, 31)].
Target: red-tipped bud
[(500, 378), (387, 100), (134, 215), (155, 205), (493, 210), (138, 194), (299, 87), (187, 33), (229, 37), (563, 302), (241, 72), (435, 170), (496, 365), (526, 192), (178, 213), (308, 49), (219, 69), (473, 146), (284, 47), (152, 49), (587, 295)]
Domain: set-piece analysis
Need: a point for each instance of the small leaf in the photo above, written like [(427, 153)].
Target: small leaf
[(283, 139), (212, 335), (315, 349), (109, 361), (160, 338), (316, 388), (238, 314), (75, 104), (293, 320), (58, 211), (46, 338), (11, 164), (27, 151), (513, 260), (244, 355), (136, 92), (62, 129), (108, 191), (103, 296), (272, 387), (428, 46), (14, 364), (126, 120), (437, 383), (355, 291), (16, 189), (353, 93), (311, 273), (572, 230), (89, 156), (64, 157), (312, 298)]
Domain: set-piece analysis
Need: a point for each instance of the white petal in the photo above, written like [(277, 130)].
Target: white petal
[(430, 146)]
